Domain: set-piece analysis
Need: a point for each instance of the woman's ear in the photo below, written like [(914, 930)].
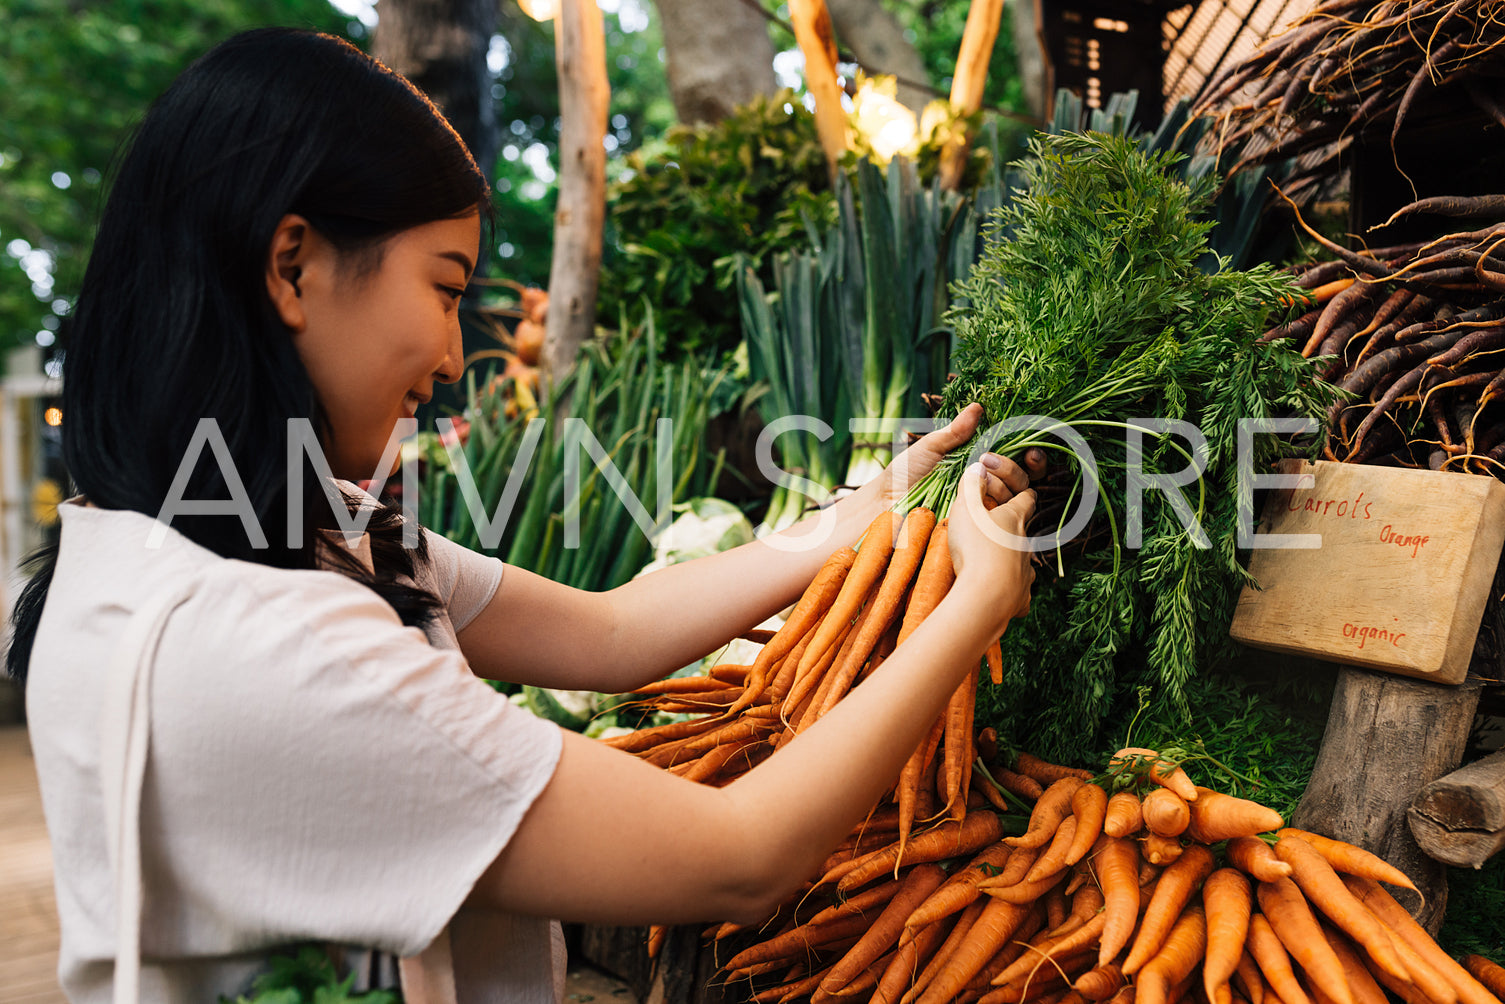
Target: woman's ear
[(288, 252)]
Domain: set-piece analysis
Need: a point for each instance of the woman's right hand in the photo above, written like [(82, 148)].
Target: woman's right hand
[(985, 559)]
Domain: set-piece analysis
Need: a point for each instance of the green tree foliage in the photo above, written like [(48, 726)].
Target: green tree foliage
[(526, 90), (936, 27), (754, 183), (76, 78)]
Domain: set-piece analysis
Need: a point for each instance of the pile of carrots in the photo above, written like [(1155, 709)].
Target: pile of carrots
[(1159, 892), (1152, 900)]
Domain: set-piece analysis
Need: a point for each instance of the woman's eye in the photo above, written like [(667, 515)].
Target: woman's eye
[(452, 292)]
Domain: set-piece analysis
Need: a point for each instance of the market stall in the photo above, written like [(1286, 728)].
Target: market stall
[(1204, 767)]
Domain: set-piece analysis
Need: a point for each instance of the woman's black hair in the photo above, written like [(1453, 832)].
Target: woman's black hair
[(174, 323)]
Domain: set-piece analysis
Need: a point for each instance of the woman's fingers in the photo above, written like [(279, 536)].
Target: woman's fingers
[(1005, 479), (946, 439)]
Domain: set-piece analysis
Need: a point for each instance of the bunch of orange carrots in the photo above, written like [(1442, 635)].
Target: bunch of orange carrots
[(860, 606)]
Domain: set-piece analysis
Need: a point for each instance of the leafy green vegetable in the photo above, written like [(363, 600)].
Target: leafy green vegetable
[(307, 976), (1475, 922), (619, 392), (1089, 307)]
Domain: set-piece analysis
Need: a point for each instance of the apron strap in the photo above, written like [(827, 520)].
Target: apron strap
[(125, 734)]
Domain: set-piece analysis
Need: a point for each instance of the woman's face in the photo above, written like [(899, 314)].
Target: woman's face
[(375, 335)]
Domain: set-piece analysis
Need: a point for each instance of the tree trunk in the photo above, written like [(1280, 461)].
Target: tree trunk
[(1387, 737), (441, 45), (876, 40), (719, 56), (1029, 53), (580, 214)]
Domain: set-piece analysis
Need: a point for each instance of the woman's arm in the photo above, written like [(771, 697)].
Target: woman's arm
[(614, 840), (543, 633)]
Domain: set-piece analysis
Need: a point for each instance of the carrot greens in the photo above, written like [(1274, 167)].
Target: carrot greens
[(1088, 307)]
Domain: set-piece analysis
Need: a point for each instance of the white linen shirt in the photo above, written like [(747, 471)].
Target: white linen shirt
[(317, 771)]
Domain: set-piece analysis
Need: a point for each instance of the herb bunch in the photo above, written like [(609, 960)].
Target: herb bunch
[(1088, 307)]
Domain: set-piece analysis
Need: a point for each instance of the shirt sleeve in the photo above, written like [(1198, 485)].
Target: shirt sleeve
[(319, 770), (464, 579)]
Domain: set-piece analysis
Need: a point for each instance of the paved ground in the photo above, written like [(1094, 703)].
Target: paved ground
[(28, 914)]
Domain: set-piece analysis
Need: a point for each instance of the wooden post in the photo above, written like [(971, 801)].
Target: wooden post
[(968, 81), (812, 29), (1386, 738), (580, 215)]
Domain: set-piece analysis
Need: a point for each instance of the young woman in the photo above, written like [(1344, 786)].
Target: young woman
[(249, 735)]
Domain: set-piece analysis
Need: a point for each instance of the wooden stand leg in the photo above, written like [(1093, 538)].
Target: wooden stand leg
[(1386, 737)]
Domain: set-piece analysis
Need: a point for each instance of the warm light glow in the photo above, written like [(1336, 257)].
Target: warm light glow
[(888, 126), (1108, 24), (540, 10), (53, 416)]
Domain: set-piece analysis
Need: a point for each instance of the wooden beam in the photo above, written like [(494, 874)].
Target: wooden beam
[(580, 215), (969, 81), (812, 29), (1460, 819)]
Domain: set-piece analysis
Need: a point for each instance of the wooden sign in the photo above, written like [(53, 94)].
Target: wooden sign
[(1400, 578)]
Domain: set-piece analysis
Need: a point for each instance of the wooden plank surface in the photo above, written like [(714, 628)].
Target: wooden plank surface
[(1400, 578), (28, 912)]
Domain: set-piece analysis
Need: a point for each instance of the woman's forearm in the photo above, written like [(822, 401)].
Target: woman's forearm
[(718, 597)]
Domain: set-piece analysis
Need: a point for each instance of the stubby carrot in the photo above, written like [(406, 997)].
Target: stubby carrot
[(1117, 869), (1166, 813), (1052, 807), (1177, 885), (1164, 772), (1183, 949), (1089, 806), (1253, 856), (1159, 850), (1124, 816), (817, 599), (884, 933), (1015, 783), (1226, 898), (1100, 983), (1322, 887), (1291, 918), (1351, 859), (994, 658), (1274, 962), (1048, 773), (1216, 816), (1489, 975)]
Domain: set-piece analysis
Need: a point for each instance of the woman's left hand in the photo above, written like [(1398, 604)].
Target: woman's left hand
[(1005, 478)]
